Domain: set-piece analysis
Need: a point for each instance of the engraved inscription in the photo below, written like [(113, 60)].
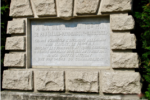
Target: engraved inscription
[(78, 42)]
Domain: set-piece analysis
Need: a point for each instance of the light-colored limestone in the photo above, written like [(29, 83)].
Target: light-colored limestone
[(49, 80), (20, 8), (64, 8), (14, 60), (80, 81), (121, 82), (18, 80), (87, 6), (131, 97), (121, 22), (16, 27), (123, 41), (44, 7), (125, 60), (51, 96), (116, 5), (15, 43), (94, 31)]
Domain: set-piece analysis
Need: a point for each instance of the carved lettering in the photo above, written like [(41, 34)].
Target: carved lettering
[(78, 42)]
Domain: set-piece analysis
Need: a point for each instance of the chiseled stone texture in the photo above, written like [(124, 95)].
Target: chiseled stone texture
[(16, 27), (14, 60), (86, 6), (123, 41), (125, 60), (122, 22), (45, 7), (80, 81), (15, 43), (121, 82), (46, 96), (65, 8), (116, 5), (49, 80), (17, 79), (20, 8)]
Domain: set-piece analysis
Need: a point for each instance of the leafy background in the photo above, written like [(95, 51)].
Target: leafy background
[(4, 18), (141, 14)]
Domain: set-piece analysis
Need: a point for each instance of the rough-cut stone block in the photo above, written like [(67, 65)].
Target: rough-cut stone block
[(20, 8), (44, 7), (17, 79), (82, 81), (122, 22), (121, 82), (123, 41), (16, 27), (49, 80), (65, 8), (15, 43), (116, 5), (14, 60), (125, 60), (87, 6)]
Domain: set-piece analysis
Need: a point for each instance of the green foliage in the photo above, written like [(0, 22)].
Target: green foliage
[(4, 18), (143, 19)]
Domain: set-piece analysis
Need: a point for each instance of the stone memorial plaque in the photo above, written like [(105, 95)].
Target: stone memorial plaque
[(80, 42)]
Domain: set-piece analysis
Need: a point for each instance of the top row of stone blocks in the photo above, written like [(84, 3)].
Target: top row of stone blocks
[(64, 8), (116, 5)]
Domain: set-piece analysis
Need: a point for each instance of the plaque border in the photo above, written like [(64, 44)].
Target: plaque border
[(28, 46)]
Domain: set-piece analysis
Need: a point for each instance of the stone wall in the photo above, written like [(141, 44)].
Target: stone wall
[(101, 83)]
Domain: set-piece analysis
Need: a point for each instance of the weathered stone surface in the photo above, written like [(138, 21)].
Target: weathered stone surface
[(116, 5), (130, 97), (65, 8), (15, 43), (125, 60), (16, 27), (86, 6), (121, 82), (44, 7), (20, 8), (122, 22), (84, 36), (82, 81), (14, 60), (123, 41), (48, 96), (17, 79), (49, 80)]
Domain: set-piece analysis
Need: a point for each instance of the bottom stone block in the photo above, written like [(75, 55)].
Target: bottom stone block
[(44, 96), (121, 82), (17, 80), (49, 80), (80, 81)]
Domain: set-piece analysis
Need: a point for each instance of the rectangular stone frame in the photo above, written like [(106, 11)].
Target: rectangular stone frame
[(122, 60)]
